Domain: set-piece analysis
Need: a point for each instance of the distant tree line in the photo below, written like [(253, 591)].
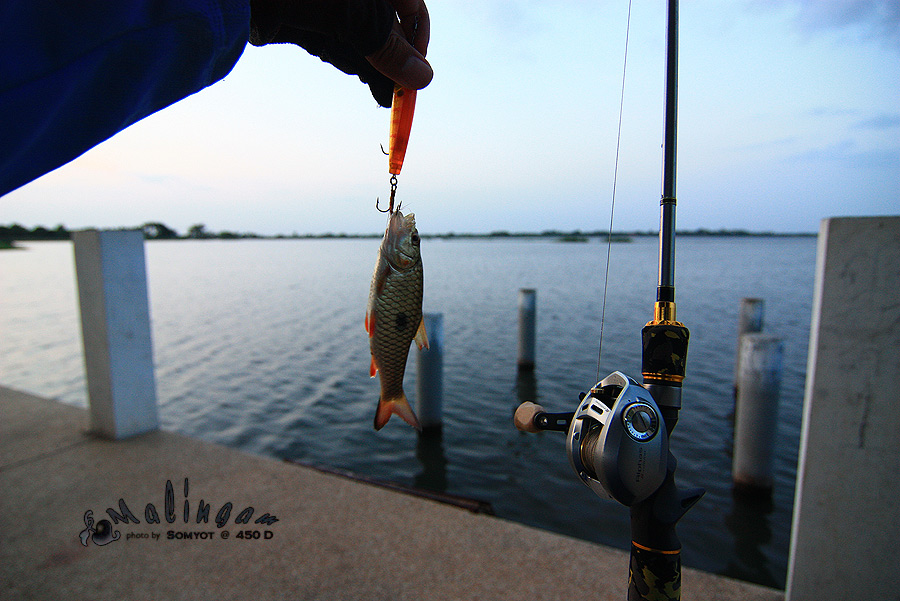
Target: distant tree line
[(152, 231), (159, 231), (155, 230), (15, 231)]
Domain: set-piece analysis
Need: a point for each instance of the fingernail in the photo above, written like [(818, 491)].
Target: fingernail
[(416, 73)]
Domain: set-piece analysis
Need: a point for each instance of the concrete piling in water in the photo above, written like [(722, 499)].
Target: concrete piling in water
[(430, 375), (750, 320), (115, 325), (755, 423), (527, 310)]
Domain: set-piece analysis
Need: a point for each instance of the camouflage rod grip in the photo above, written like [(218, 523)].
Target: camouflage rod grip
[(664, 354), (654, 575), (655, 569)]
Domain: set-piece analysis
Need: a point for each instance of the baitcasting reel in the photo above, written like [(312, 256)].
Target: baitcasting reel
[(616, 439)]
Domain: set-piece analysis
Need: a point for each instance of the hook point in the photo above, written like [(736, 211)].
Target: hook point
[(379, 209)]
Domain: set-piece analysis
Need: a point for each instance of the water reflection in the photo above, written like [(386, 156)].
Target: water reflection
[(430, 453), (526, 386), (749, 524)]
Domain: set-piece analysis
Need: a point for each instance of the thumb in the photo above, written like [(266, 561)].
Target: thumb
[(401, 62)]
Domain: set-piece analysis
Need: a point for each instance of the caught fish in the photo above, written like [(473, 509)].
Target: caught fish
[(394, 315)]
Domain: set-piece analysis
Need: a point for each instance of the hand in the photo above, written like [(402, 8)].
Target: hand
[(402, 57), (359, 37)]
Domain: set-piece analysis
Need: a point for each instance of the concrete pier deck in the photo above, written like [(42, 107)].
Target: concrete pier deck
[(333, 538)]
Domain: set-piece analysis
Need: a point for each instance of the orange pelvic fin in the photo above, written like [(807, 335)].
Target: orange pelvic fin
[(370, 325), (373, 368), (421, 336), (401, 407)]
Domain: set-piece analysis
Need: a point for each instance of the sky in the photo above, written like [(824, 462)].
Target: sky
[(789, 112)]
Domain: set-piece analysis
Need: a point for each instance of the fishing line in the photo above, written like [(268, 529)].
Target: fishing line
[(612, 209)]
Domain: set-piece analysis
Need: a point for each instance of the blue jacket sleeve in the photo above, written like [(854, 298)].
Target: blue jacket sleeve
[(75, 72)]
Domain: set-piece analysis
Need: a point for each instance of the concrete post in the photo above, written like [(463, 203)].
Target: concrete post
[(430, 374), (756, 415), (115, 326), (845, 528), (750, 320), (527, 310)]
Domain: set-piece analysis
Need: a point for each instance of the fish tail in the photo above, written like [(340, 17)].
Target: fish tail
[(401, 407)]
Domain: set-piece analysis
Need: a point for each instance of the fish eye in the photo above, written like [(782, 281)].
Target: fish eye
[(415, 238)]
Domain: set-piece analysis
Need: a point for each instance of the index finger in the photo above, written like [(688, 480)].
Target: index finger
[(415, 22)]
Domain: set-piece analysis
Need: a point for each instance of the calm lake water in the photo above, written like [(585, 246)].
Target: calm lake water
[(259, 345)]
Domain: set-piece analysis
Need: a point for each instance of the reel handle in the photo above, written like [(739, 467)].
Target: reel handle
[(531, 417)]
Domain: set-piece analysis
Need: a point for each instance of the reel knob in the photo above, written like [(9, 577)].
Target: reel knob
[(524, 418)]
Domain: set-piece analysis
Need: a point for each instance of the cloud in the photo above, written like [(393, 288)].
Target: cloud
[(876, 158), (830, 111), (876, 122), (879, 122), (879, 19), (847, 153)]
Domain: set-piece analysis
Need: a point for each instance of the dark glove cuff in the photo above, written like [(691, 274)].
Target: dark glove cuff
[(340, 32), (363, 25), (367, 25)]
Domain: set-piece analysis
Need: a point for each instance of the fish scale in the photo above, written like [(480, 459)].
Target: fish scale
[(399, 311)]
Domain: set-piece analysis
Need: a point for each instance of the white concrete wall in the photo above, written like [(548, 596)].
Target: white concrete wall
[(846, 528), (115, 324)]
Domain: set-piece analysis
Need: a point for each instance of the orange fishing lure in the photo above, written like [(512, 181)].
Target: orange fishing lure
[(402, 109)]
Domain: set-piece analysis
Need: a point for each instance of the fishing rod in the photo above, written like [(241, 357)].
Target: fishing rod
[(618, 437)]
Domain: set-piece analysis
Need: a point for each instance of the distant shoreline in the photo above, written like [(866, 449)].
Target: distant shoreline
[(9, 234)]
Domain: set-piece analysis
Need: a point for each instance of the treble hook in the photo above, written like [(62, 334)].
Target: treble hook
[(390, 208)]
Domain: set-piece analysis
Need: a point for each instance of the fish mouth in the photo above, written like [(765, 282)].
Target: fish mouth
[(400, 223), (401, 241)]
